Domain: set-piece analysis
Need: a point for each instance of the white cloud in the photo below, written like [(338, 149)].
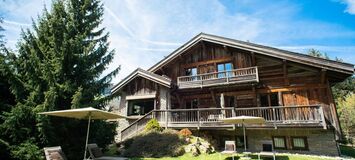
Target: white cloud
[(16, 23), (143, 32), (350, 8)]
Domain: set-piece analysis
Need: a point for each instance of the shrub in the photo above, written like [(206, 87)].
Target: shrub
[(153, 125), (155, 144), (185, 132), (27, 151)]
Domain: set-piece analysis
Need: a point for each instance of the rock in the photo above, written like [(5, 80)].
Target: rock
[(195, 151)]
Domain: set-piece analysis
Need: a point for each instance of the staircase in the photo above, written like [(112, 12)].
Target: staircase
[(136, 127)]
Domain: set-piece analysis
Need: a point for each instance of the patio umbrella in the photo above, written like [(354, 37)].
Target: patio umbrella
[(84, 113), (244, 120)]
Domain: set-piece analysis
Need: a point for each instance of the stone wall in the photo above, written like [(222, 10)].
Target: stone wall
[(320, 141)]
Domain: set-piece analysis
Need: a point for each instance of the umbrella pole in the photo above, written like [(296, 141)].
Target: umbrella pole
[(87, 137), (245, 142)]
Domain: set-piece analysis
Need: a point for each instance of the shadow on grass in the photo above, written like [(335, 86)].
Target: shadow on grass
[(347, 150)]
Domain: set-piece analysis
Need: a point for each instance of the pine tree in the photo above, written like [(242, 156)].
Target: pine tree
[(59, 65)]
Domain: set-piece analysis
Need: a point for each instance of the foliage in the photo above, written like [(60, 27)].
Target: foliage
[(59, 65), (316, 53), (343, 89), (156, 144), (346, 110), (347, 150), (185, 132), (153, 125), (27, 151)]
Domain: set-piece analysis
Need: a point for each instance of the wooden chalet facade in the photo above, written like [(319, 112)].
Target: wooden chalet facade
[(212, 77)]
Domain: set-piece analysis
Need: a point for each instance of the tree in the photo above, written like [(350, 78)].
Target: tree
[(59, 65), (316, 53), (346, 110)]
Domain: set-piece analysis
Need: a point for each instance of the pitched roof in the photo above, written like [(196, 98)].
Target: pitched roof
[(259, 49), (145, 74)]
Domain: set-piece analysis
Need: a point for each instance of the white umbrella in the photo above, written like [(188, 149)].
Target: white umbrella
[(244, 120), (84, 113)]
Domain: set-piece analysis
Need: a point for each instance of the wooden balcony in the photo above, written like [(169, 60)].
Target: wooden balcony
[(278, 116), (242, 75)]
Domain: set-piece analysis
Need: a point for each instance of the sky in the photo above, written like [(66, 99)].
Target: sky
[(143, 32)]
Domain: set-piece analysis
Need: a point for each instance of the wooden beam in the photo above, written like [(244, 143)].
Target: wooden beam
[(322, 76), (286, 80), (253, 60), (220, 60), (290, 88), (214, 98)]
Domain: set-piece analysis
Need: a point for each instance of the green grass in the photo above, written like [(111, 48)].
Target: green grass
[(347, 150), (218, 156)]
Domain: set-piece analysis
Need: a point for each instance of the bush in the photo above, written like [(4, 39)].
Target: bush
[(155, 144), (185, 132), (27, 151), (153, 125)]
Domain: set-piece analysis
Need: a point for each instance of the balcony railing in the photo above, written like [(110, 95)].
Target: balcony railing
[(277, 116), (242, 75)]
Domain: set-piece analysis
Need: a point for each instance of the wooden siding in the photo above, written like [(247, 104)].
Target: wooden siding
[(140, 86)]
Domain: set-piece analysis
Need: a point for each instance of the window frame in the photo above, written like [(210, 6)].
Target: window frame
[(273, 142), (305, 141), (225, 74)]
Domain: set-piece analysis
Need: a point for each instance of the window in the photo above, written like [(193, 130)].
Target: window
[(299, 143), (270, 99), (224, 67), (279, 142), (192, 103), (240, 141), (140, 107), (191, 72)]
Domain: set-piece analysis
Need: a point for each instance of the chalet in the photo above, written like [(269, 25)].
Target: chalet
[(211, 77)]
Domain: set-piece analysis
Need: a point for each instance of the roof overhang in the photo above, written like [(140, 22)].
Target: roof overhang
[(341, 67), (144, 74)]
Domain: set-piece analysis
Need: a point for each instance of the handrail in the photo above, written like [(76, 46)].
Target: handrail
[(226, 108), (211, 117), (211, 73), (241, 75), (136, 121)]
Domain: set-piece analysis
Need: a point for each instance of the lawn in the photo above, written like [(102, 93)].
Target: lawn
[(218, 156), (347, 150)]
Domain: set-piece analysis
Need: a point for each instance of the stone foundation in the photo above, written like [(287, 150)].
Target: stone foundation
[(320, 141)]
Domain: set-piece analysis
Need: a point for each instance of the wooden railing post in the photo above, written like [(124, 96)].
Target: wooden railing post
[(233, 115), (198, 119), (274, 117), (166, 119), (256, 74), (322, 117)]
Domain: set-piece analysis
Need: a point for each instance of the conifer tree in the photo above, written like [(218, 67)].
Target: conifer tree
[(59, 65)]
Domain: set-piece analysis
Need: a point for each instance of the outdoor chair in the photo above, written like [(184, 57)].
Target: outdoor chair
[(54, 153), (268, 151), (229, 148), (96, 153)]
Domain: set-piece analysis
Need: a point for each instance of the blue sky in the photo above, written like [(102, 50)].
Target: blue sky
[(143, 32)]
